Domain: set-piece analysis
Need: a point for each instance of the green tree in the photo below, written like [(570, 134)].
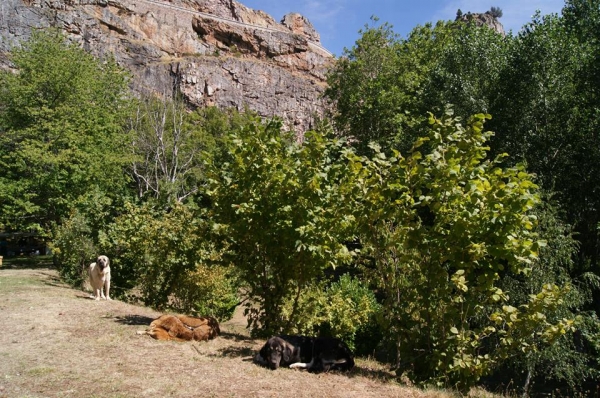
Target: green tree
[(545, 114), (570, 363), (467, 71), (580, 183), (61, 141), (375, 86), (280, 206), (439, 229), (360, 85), (384, 84)]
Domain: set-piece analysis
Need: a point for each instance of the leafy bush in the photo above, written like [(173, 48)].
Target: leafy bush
[(351, 307), (73, 248), (207, 290), (280, 206), (169, 256), (441, 227), (342, 309), (571, 361)]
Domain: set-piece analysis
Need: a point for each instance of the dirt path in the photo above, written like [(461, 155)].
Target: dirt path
[(56, 342)]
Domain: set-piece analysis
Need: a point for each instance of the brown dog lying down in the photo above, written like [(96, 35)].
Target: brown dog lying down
[(183, 328)]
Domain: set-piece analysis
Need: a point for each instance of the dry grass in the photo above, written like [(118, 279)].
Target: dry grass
[(56, 342)]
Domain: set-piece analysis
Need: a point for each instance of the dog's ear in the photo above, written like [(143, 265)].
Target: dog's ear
[(264, 351), (288, 352)]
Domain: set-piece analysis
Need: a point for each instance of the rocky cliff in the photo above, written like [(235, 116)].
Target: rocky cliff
[(483, 19), (215, 52)]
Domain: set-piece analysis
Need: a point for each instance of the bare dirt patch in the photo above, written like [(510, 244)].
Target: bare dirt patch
[(56, 342)]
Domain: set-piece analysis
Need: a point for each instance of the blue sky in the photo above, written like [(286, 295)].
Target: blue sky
[(338, 21)]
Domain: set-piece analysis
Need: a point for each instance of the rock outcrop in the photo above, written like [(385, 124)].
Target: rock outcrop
[(483, 19), (215, 52)]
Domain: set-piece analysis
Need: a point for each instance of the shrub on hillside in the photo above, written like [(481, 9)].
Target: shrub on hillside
[(73, 248), (170, 258)]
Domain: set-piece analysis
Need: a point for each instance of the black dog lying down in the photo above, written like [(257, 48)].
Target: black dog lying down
[(317, 354)]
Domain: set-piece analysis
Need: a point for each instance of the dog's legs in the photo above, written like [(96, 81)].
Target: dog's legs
[(97, 294), (302, 365), (107, 287)]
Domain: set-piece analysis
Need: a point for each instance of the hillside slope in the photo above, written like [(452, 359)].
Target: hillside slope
[(56, 342)]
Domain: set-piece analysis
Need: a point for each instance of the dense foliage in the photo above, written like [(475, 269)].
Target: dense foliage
[(345, 308), (465, 253), (441, 227), (170, 257), (541, 87), (61, 145), (281, 207)]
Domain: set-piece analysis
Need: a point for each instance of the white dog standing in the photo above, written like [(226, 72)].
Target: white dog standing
[(99, 273)]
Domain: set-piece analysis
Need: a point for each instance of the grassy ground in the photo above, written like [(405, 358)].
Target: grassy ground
[(56, 342)]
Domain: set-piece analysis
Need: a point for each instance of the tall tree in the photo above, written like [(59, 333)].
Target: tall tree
[(280, 205), (384, 86), (545, 112), (375, 86), (441, 227), (61, 143), (170, 143), (168, 150), (467, 71)]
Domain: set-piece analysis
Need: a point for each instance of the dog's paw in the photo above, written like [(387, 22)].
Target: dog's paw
[(301, 365), (108, 298)]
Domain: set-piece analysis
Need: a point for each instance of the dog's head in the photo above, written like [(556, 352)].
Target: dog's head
[(102, 262), (277, 351)]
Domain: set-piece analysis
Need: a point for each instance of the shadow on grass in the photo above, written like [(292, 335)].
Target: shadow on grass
[(134, 320), (235, 336), (53, 280), (235, 352), (27, 262), (374, 374)]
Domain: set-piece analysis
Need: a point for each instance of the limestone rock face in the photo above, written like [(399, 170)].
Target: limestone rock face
[(216, 52), (298, 24), (483, 19)]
